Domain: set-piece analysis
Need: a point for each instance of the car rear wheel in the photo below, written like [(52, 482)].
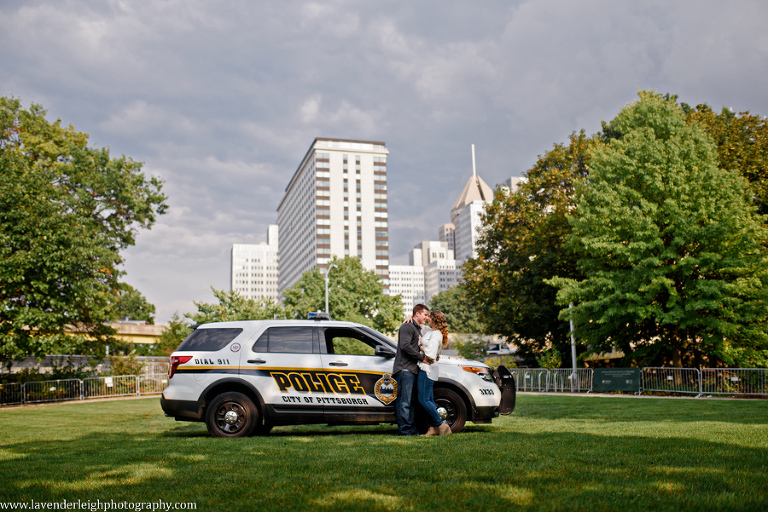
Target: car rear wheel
[(231, 415), (454, 407)]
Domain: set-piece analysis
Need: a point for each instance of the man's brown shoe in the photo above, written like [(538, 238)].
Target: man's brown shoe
[(444, 429), (431, 432)]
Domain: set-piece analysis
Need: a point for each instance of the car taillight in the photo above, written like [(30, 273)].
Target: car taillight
[(482, 371), (175, 362)]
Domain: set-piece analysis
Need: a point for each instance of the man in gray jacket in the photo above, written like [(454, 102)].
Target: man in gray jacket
[(406, 369)]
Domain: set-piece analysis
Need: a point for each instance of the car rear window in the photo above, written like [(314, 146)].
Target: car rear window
[(209, 340)]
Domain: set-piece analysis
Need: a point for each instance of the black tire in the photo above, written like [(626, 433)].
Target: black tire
[(454, 406), (231, 415)]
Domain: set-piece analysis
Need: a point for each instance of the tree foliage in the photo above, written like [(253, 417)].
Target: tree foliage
[(66, 212), (232, 306), (742, 145), (461, 315), (129, 303), (522, 246), (354, 295), (669, 245), (172, 337)]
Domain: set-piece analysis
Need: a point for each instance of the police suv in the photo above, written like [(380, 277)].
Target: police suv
[(244, 377)]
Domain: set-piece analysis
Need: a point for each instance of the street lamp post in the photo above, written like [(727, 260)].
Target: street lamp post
[(326, 285), (573, 350)]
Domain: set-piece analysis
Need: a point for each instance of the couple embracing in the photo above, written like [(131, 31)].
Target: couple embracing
[(413, 369)]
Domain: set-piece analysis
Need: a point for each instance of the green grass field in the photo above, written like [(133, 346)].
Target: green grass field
[(553, 453)]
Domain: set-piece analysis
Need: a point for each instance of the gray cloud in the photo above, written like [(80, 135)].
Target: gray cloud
[(222, 99)]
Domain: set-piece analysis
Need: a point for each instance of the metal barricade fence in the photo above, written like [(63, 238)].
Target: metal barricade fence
[(671, 380), (11, 394), (116, 385), (53, 390), (565, 380), (152, 383), (530, 379), (734, 381)]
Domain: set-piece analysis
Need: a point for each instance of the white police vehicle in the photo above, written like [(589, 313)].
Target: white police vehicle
[(244, 377)]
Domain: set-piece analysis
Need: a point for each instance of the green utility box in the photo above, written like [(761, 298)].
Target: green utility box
[(616, 379)]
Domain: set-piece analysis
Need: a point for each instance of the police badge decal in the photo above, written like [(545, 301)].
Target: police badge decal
[(386, 389)]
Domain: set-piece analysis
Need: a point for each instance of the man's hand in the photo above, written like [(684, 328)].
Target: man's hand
[(428, 360)]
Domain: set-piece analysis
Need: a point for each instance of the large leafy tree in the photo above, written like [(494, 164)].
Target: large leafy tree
[(742, 145), (522, 246), (66, 212), (669, 245), (355, 295), (461, 315), (129, 303), (232, 306)]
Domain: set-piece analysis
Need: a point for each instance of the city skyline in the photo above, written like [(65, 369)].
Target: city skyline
[(220, 100)]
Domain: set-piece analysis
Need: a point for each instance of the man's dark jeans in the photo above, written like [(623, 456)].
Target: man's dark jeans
[(405, 411)]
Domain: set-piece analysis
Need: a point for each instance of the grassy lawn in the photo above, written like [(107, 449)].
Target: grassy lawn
[(552, 453)]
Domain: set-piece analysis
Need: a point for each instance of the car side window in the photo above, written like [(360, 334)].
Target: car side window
[(209, 340), (291, 340), (348, 342)]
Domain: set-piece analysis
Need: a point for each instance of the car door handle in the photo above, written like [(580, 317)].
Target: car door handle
[(338, 363), (256, 361)]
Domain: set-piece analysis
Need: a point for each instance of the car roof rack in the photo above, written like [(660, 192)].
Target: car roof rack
[(318, 316)]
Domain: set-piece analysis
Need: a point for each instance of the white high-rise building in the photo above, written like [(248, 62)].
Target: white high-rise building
[(445, 233), (440, 275), (253, 270), (408, 282), (335, 205), (465, 214)]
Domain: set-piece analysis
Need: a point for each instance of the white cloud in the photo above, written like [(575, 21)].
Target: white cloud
[(222, 99)]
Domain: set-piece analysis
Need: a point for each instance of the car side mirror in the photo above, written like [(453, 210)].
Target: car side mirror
[(384, 351)]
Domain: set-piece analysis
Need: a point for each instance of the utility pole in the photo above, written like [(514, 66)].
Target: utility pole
[(326, 286)]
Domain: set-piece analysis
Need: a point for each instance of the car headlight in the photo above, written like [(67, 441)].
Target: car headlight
[(482, 371)]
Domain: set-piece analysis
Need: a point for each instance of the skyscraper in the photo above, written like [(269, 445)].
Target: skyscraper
[(335, 205), (253, 270)]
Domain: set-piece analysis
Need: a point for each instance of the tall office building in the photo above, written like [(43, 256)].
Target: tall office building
[(465, 214), (253, 270), (445, 233), (408, 282), (335, 205)]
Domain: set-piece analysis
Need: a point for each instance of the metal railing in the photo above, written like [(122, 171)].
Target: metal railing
[(671, 380), (77, 389), (692, 381), (705, 382), (565, 380), (531, 379), (734, 381)]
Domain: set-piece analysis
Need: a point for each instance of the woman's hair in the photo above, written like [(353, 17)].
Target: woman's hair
[(437, 321)]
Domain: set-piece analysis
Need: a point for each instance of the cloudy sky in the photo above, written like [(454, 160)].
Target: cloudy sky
[(222, 99)]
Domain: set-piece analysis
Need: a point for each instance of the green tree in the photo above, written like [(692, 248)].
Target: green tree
[(232, 306), (669, 245), (742, 145), (172, 337), (131, 304), (66, 212), (354, 295), (461, 314), (522, 246)]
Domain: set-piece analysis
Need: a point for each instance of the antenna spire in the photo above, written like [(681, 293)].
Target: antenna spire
[(474, 169)]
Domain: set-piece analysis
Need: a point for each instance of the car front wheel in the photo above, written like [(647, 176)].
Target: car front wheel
[(454, 408)]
